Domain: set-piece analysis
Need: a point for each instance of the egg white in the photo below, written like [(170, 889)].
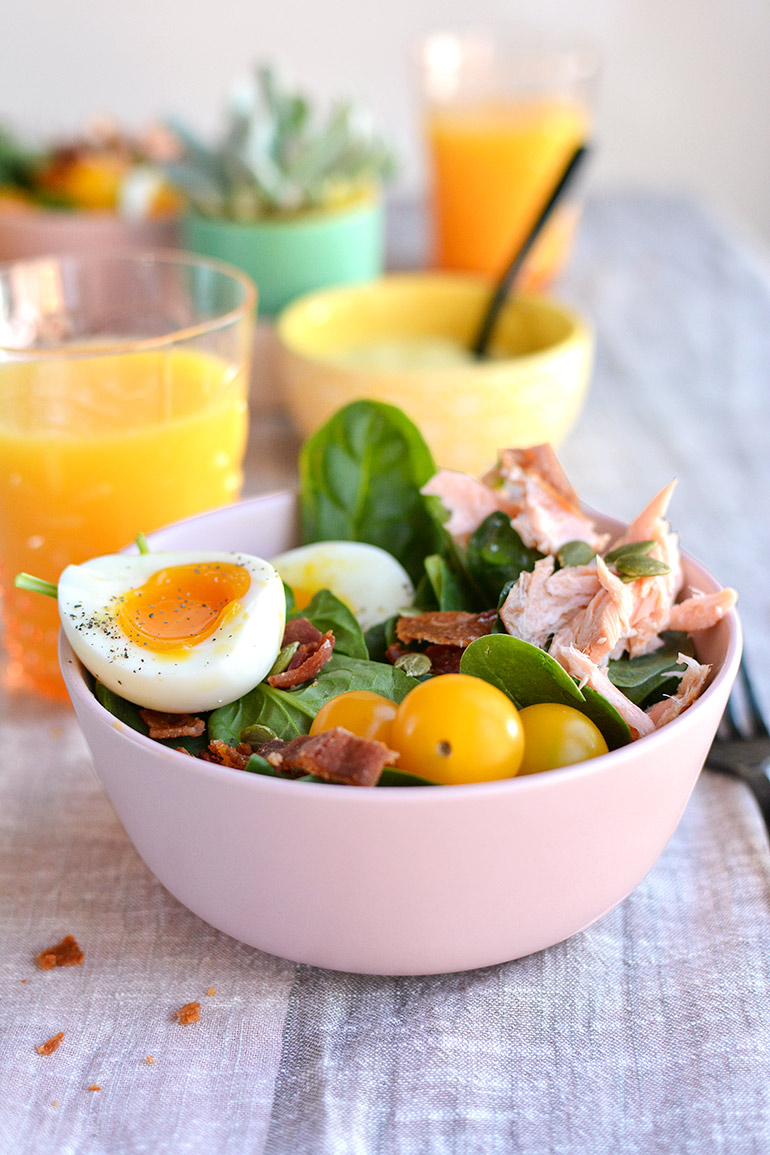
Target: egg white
[(216, 670), (369, 580)]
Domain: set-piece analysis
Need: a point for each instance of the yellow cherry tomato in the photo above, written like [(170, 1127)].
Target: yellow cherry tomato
[(556, 735), (457, 729), (363, 712)]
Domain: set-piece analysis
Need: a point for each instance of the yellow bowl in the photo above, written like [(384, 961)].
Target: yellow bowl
[(389, 340)]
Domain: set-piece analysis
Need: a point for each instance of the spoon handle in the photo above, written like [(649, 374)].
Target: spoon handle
[(503, 288)]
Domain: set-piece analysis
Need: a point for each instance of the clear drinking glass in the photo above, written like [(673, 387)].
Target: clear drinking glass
[(502, 116), (123, 406)]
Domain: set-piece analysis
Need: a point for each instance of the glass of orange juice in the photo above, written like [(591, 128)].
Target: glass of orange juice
[(123, 406), (502, 119)]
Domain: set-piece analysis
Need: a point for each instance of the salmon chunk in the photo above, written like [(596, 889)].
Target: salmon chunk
[(693, 681), (467, 501), (541, 602)]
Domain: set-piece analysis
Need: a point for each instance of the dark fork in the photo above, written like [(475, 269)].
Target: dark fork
[(742, 743)]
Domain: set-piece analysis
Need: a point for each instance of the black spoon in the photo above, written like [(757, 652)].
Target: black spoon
[(504, 285)]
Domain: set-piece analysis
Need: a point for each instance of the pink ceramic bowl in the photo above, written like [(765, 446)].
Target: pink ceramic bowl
[(46, 232), (398, 881)]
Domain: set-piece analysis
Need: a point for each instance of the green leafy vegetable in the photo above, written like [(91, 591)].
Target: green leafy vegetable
[(393, 777), (289, 713), (496, 555), (650, 677), (360, 477), (327, 612), (379, 638), (259, 765), (528, 675), (604, 715), (522, 671), (448, 588)]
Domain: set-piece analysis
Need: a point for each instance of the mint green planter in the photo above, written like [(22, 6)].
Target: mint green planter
[(296, 256)]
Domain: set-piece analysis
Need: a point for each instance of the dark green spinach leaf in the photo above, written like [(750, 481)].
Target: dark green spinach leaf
[(528, 675), (522, 671), (448, 587), (289, 713), (603, 714), (360, 476), (496, 555), (327, 612), (650, 677)]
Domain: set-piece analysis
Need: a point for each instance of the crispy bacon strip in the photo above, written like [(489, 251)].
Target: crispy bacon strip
[(444, 659), (335, 755), (163, 725), (300, 630), (446, 627), (312, 654), (220, 752)]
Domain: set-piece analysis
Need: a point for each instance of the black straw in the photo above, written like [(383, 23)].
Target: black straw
[(479, 347)]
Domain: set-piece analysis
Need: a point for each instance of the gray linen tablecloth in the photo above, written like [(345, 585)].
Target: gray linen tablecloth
[(649, 1032)]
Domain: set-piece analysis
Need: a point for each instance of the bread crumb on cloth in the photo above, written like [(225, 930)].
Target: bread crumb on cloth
[(51, 1045), (211, 991), (189, 1013), (149, 1060), (94, 1087), (66, 953)]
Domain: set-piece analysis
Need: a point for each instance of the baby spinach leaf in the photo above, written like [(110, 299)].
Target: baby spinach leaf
[(327, 612), (468, 593), (496, 555), (393, 777), (648, 678), (289, 713), (360, 476), (379, 637), (259, 765), (522, 671), (288, 594), (528, 675), (603, 714), (448, 588)]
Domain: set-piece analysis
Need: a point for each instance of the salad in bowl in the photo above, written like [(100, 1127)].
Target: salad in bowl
[(549, 680), (433, 628)]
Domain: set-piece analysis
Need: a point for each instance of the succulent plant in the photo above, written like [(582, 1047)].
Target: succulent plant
[(278, 157)]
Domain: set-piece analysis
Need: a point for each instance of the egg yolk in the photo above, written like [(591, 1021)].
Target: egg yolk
[(182, 605), (303, 597), (311, 577)]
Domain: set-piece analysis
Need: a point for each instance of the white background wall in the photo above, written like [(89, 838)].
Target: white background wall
[(684, 101)]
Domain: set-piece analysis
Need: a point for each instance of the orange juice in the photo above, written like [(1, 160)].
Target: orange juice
[(495, 163), (130, 442)]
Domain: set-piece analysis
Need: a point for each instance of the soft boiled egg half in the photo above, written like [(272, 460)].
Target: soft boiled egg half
[(177, 632), (369, 580)]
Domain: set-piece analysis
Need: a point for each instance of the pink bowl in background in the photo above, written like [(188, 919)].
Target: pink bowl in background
[(47, 232), (400, 880)]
